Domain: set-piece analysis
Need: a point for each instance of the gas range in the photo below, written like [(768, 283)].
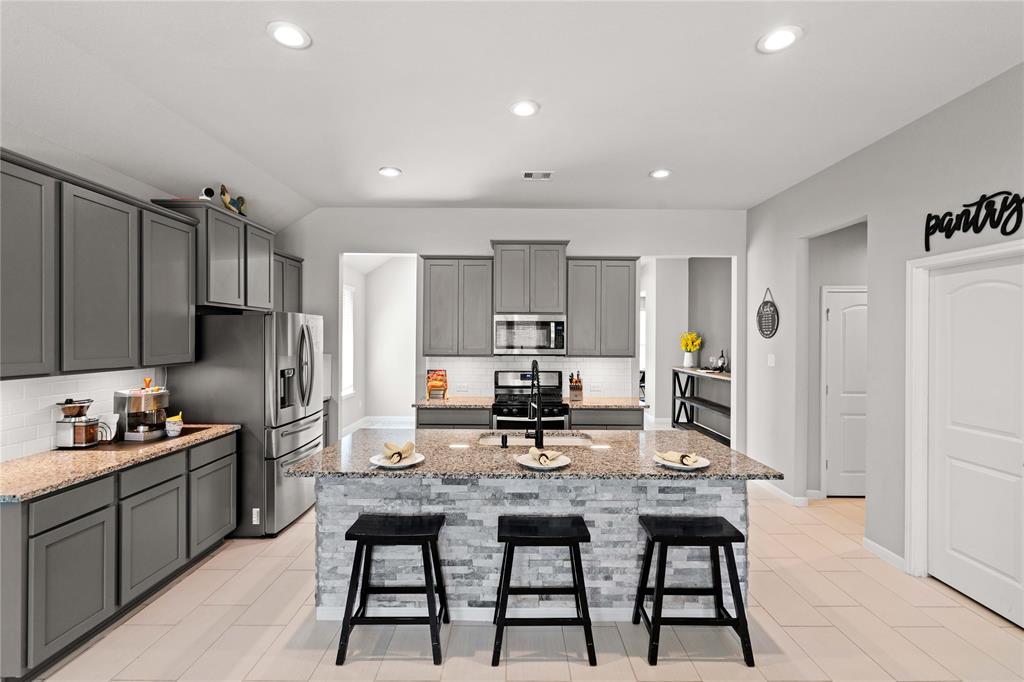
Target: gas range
[(512, 397)]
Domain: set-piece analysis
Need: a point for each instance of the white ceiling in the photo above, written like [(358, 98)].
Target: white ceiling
[(183, 94)]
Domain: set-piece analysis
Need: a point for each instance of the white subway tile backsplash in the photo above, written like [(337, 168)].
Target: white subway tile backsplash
[(28, 407), (475, 376)]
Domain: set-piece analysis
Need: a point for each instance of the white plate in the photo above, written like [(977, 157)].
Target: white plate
[(530, 463), (702, 464), (385, 463)]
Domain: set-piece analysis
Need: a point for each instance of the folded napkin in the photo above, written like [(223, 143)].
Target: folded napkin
[(396, 453), (679, 458), (544, 457)]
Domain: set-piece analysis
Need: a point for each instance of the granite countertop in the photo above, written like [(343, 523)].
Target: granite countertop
[(599, 402), (485, 401), (47, 472), (465, 402), (629, 455)]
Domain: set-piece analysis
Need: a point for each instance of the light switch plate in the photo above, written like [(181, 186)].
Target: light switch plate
[(771, 359), (462, 388)]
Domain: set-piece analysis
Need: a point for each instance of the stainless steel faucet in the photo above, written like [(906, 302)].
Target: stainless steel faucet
[(535, 405)]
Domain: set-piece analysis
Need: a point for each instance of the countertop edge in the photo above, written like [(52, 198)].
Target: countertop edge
[(411, 473)]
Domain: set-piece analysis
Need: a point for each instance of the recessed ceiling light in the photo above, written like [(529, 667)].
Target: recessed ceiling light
[(525, 108), (389, 171), (659, 173), (779, 39), (289, 35)]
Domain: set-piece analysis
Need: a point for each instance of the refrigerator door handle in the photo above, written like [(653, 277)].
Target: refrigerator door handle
[(310, 363), (303, 367)]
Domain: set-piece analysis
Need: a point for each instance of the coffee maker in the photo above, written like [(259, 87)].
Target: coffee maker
[(76, 429), (141, 412)]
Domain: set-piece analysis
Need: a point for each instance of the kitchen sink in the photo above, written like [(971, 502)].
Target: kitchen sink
[(550, 440)]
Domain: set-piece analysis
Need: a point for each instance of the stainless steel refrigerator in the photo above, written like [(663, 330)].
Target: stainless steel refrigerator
[(265, 372)]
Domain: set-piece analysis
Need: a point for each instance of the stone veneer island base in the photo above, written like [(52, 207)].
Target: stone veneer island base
[(609, 486)]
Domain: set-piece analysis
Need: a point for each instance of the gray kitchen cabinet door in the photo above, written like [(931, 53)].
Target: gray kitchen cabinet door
[(259, 268), (440, 306), (71, 582), (153, 536), (212, 507), (100, 281), (547, 278), (292, 285), (168, 291), (583, 319), (618, 308), (475, 301), (28, 273), (225, 259), (278, 280), (511, 278)]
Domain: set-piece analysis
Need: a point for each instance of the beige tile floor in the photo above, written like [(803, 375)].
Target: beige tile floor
[(821, 608)]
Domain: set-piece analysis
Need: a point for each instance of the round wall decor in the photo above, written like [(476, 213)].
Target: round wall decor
[(767, 316)]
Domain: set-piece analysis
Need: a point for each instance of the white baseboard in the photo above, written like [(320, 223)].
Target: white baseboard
[(888, 556), (482, 614), (815, 495), (380, 423), (779, 492)]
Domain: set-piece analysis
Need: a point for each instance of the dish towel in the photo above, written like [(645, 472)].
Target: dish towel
[(679, 458), (544, 457), (396, 453)]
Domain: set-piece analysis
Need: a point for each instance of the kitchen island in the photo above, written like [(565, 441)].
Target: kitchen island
[(612, 480)]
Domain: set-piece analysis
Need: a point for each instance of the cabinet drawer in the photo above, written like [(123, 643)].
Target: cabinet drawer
[(70, 504), (442, 417), (212, 508), (201, 455), (610, 419), (152, 473), (153, 534)]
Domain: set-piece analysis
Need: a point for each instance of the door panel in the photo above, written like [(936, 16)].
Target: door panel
[(583, 322), (225, 255), (168, 291), (618, 308), (475, 302), (212, 506), (440, 306), (511, 278), (259, 268), (976, 433), (547, 278), (153, 536), (844, 438)]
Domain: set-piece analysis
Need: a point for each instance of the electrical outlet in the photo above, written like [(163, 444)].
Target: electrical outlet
[(595, 386), (462, 388), (771, 359), (256, 516)]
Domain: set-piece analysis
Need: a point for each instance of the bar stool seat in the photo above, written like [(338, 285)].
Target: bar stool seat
[(542, 531), (383, 530), (713, 532)]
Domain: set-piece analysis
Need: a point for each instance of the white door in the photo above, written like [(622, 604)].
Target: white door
[(976, 419), (844, 437)]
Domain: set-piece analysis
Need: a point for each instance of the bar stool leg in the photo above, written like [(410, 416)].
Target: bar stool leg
[(741, 616), (497, 597), (659, 596), (581, 601), (435, 628), (503, 587), (716, 581), (575, 583), (364, 590), (439, 578), (645, 574), (346, 623)]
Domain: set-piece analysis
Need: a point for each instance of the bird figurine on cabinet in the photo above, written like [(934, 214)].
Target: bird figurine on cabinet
[(225, 196), (240, 205)]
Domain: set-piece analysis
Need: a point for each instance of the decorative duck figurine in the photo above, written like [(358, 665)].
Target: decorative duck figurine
[(225, 196), (240, 205)]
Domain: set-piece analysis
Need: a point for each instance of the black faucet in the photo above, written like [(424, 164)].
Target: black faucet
[(535, 404)]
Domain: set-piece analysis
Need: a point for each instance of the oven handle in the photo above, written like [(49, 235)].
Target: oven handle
[(528, 419)]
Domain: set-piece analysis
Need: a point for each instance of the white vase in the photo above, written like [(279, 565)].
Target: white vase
[(690, 360)]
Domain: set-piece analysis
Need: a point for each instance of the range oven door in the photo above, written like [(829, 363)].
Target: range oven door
[(552, 423), (529, 334)]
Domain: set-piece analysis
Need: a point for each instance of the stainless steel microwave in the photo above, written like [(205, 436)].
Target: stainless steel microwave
[(529, 334)]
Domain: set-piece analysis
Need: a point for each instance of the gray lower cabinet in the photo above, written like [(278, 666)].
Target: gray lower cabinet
[(28, 273), (475, 301), (211, 507), (71, 582), (547, 278), (598, 419), (440, 306), (452, 418), (168, 290), (224, 262), (287, 283), (602, 302), (153, 536), (511, 278), (99, 281), (259, 268)]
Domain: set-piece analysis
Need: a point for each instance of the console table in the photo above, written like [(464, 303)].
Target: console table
[(685, 401)]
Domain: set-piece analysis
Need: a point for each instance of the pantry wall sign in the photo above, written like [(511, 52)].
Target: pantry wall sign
[(1001, 211)]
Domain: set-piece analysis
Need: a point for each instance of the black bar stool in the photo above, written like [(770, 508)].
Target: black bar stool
[(542, 531), (712, 532), (381, 530)]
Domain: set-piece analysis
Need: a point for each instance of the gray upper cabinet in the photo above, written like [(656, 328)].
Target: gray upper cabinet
[(511, 278), (287, 283), (168, 290), (100, 281), (28, 273), (618, 307), (440, 306), (153, 536), (225, 260), (583, 319), (259, 268), (475, 300), (601, 318), (71, 582), (547, 278)]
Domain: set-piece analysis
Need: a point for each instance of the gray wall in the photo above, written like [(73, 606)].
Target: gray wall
[(838, 258), (391, 338), (671, 318), (710, 306), (353, 407), (967, 147)]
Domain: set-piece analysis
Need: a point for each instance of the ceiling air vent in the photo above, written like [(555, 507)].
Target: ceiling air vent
[(537, 175)]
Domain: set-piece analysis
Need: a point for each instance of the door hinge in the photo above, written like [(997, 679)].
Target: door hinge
[(826, 389), (828, 314), (826, 465)]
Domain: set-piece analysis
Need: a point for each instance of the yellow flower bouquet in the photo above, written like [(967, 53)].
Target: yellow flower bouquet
[(690, 344)]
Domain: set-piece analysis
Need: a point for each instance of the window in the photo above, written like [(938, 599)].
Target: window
[(348, 341)]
